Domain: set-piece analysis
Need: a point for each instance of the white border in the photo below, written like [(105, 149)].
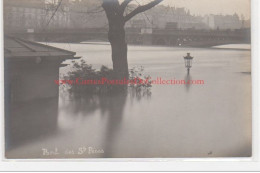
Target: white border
[(232, 164)]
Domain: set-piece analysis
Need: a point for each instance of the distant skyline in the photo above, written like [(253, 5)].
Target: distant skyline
[(203, 7)]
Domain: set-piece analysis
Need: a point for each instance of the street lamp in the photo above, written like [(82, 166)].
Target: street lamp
[(188, 62)]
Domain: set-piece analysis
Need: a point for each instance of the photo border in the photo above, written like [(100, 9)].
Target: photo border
[(151, 164)]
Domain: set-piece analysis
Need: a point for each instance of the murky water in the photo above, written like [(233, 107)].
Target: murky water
[(210, 120)]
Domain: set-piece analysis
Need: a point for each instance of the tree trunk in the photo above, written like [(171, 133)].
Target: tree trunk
[(116, 36)]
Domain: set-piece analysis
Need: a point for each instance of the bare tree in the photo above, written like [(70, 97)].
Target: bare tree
[(117, 15), (117, 18)]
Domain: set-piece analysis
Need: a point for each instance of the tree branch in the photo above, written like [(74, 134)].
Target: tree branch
[(111, 8), (124, 5), (141, 9), (53, 14)]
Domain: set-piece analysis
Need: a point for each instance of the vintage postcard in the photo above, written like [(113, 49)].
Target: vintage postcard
[(127, 79)]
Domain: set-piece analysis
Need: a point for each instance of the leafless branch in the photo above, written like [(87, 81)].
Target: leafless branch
[(141, 9), (145, 14), (53, 14), (124, 5)]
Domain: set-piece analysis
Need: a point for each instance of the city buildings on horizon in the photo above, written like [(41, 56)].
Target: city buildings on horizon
[(37, 15)]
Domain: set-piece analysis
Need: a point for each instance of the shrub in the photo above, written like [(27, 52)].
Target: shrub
[(84, 71)]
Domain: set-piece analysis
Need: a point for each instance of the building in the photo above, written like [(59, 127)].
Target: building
[(20, 16), (57, 17), (31, 95), (87, 14), (162, 17), (34, 15), (31, 68), (43, 15), (223, 21)]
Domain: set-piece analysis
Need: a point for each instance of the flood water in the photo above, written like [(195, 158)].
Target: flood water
[(208, 120)]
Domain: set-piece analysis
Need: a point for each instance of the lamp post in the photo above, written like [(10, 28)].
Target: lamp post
[(188, 62)]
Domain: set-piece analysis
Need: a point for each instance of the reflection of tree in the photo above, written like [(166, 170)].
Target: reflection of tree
[(88, 103), (137, 93), (111, 105), (114, 107), (109, 99)]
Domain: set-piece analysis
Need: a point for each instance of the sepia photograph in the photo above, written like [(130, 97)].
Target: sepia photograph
[(103, 79)]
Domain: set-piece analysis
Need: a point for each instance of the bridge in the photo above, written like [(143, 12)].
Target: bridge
[(164, 37)]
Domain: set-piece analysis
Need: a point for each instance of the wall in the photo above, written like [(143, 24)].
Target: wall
[(29, 80)]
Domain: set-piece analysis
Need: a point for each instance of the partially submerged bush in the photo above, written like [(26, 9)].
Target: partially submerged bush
[(84, 80), (142, 87), (143, 81)]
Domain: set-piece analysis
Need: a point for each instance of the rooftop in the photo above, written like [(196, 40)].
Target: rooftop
[(17, 47)]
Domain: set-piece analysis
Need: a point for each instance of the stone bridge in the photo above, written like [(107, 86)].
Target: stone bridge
[(164, 37)]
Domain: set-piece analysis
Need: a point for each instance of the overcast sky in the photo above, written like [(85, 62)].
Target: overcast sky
[(202, 7)]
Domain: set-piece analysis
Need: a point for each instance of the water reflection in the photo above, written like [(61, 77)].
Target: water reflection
[(187, 85), (114, 106), (137, 93), (89, 103), (28, 121), (111, 107)]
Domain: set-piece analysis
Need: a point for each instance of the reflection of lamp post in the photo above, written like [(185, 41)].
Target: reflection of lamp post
[(188, 62)]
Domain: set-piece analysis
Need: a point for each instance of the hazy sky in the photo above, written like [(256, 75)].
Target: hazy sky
[(213, 6)]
